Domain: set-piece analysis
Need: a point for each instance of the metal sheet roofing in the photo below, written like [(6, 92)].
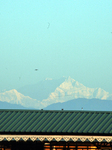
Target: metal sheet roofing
[(55, 122)]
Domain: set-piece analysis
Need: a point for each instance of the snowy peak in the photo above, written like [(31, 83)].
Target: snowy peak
[(14, 97), (52, 91), (69, 79), (101, 94), (11, 96), (70, 83), (13, 93)]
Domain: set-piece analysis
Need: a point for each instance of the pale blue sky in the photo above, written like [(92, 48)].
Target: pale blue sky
[(60, 38)]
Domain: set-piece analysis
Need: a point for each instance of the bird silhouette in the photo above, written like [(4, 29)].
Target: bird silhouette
[(48, 25), (36, 69)]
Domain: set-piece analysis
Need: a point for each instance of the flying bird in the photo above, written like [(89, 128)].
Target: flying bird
[(48, 25), (36, 69)]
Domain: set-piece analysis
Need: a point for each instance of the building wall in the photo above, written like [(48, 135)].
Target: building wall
[(55, 145)]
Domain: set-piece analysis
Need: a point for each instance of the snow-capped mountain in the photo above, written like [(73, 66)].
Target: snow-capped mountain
[(52, 91), (72, 89), (14, 97)]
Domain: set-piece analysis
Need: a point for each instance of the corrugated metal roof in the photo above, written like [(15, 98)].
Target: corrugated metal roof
[(43, 121)]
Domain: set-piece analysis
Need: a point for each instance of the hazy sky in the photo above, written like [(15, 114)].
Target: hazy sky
[(60, 38)]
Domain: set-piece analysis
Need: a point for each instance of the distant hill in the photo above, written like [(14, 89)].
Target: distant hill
[(75, 104), (5, 105), (82, 104)]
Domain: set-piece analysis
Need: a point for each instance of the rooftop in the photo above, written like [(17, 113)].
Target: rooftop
[(56, 122)]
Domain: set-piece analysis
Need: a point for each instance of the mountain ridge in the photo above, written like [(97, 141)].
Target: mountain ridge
[(61, 90), (82, 104)]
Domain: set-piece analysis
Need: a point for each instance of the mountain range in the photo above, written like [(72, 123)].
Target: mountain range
[(50, 91), (82, 104)]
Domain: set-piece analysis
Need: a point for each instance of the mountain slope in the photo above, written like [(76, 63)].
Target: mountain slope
[(82, 104)]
